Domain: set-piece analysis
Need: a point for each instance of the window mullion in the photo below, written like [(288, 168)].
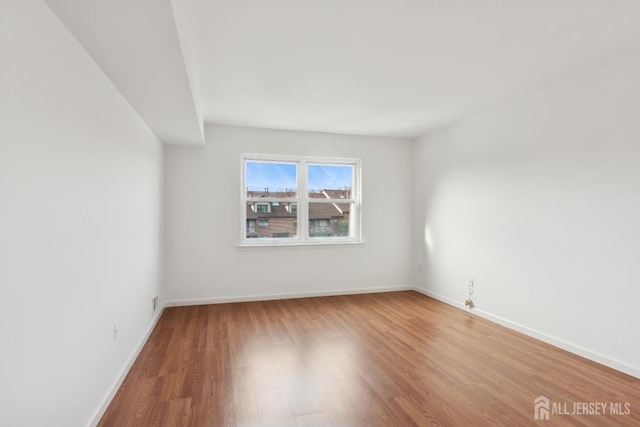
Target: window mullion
[(303, 206)]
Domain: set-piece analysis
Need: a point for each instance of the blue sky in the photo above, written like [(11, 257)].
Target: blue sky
[(275, 176), (329, 177), (281, 176)]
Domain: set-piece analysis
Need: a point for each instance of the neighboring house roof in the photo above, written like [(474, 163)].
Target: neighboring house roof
[(316, 210), (274, 194), (276, 211), (329, 210)]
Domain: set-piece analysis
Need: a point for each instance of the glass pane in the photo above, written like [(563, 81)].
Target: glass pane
[(271, 220), (271, 179), (330, 181), (330, 219)]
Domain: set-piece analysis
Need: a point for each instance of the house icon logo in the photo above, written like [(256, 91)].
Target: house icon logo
[(541, 408)]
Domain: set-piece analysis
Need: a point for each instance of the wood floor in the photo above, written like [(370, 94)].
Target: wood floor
[(392, 359)]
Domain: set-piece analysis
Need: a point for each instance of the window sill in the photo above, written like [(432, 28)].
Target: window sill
[(272, 244)]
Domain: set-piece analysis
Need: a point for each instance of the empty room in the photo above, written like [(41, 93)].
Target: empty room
[(319, 213)]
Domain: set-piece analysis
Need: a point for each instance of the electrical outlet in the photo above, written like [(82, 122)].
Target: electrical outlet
[(469, 302), (155, 303), (116, 330)]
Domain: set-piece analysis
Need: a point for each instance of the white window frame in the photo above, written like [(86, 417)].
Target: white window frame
[(302, 200)]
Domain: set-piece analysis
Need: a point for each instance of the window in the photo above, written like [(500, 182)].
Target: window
[(262, 207), (299, 200)]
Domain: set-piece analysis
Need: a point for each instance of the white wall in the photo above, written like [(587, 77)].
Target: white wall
[(80, 224), (202, 217), (539, 201)]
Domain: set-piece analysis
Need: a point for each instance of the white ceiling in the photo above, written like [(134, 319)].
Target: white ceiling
[(369, 67)]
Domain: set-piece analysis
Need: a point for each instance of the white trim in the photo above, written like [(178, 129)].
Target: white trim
[(549, 339), (277, 243), (258, 200), (100, 410), (287, 295), (303, 206)]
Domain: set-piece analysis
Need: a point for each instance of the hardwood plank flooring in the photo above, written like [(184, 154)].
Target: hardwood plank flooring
[(389, 359)]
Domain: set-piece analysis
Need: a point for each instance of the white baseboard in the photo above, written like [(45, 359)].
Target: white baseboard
[(557, 342), (99, 412), (289, 295)]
